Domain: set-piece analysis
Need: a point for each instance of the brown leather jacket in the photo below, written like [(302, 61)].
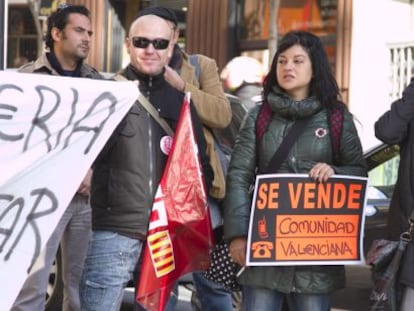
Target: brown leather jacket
[(212, 107), (42, 65)]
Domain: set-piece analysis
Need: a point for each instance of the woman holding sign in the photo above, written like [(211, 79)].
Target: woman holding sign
[(303, 113)]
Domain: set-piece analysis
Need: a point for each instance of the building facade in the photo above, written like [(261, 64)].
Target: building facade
[(221, 29), (370, 43)]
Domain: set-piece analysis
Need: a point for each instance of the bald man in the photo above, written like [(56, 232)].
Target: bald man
[(128, 170)]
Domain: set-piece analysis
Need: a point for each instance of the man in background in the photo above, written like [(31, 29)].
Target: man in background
[(198, 74), (243, 77), (396, 126), (68, 41)]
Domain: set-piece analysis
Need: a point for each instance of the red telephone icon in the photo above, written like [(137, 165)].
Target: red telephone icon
[(263, 228)]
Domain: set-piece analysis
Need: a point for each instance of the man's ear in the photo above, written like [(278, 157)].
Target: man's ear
[(127, 44), (55, 33), (170, 51), (176, 35)]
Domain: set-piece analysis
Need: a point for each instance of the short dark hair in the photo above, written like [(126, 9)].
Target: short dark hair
[(323, 84), (165, 13), (59, 19)]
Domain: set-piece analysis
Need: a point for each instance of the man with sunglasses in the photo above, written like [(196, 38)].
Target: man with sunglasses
[(68, 41), (198, 74), (128, 170)]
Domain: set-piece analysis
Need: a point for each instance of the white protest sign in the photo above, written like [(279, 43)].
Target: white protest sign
[(51, 130)]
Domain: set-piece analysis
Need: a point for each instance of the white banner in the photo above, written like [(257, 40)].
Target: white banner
[(51, 130)]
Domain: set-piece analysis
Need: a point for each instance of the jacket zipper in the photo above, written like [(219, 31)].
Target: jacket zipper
[(150, 144)]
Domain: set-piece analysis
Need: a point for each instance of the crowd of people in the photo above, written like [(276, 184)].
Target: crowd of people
[(103, 231)]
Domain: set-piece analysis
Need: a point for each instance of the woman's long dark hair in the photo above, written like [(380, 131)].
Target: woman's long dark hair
[(323, 84)]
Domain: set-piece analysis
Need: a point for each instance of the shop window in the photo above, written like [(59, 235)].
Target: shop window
[(21, 21), (316, 16), (22, 39)]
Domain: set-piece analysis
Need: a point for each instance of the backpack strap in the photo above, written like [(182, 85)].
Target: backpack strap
[(149, 108), (193, 59), (263, 120), (335, 122)]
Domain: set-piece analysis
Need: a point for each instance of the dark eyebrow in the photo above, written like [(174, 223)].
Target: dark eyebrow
[(294, 56), (78, 28)]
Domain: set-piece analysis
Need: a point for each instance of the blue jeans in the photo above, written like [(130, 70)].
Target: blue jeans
[(212, 296), (172, 301), (72, 234), (255, 298), (109, 266)]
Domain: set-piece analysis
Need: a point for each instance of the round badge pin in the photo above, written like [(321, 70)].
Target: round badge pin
[(320, 132), (165, 144)]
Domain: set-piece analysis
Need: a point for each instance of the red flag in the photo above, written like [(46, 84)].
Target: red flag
[(179, 234)]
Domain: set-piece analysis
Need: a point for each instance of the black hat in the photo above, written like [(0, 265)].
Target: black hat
[(159, 11)]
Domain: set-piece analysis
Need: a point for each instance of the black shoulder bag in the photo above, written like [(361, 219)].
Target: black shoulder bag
[(385, 256)]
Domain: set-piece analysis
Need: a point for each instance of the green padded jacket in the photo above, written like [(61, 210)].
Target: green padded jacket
[(310, 148)]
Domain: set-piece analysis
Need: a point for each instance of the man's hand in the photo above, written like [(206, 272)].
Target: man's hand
[(85, 186), (173, 78)]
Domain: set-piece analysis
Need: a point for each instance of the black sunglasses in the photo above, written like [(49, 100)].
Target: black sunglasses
[(142, 43)]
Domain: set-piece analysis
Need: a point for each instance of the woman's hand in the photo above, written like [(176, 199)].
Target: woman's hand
[(320, 172), (237, 249)]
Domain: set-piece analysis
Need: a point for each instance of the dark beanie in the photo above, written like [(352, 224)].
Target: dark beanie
[(159, 11)]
